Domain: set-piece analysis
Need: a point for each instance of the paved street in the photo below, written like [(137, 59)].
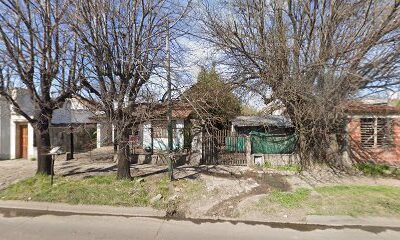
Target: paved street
[(14, 225)]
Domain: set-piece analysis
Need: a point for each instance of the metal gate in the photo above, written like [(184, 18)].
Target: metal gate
[(223, 148)]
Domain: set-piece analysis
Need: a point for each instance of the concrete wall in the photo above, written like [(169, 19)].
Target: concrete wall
[(196, 150), (10, 122), (389, 155), (191, 157), (72, 111), (5, 118), (104, 135), (24, 100), (275, 159), (162, 143)]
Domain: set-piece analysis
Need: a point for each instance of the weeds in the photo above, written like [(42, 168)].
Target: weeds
[(378, 170), (288, 199), (102, 190), (336, 200), (288, 167)]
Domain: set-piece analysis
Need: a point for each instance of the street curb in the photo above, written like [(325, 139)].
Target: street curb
[(319, 221), (67, 209), (11, 208)]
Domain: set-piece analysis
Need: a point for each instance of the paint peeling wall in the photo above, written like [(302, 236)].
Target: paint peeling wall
[(162, 143)]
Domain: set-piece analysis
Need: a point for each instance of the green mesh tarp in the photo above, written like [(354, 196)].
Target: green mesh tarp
[(272, 144), (235, 144)]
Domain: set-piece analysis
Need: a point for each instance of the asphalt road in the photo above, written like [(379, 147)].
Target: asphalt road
[(36, 226)]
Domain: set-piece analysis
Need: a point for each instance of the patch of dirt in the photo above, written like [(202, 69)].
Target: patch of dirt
[(227, 208), (324, 176), (225, 192), (12, 171), (250, 210), (103, 154)]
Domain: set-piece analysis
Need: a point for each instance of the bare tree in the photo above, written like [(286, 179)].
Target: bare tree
[(310, 56), (38, 54), (124, 44)]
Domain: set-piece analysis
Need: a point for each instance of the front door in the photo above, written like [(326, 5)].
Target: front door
[(23, 140)]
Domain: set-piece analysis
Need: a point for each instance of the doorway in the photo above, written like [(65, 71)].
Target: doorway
[(23, 141)]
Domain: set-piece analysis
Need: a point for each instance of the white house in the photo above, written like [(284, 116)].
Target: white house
[(152, 132), (17, 134)]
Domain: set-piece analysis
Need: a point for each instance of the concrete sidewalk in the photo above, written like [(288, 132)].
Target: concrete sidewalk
[(67, 209), (353, 221), (42, 208)]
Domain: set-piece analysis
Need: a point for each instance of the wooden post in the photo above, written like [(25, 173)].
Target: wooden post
[(152, 140), (250, 163), (52, 170), (71, 142)]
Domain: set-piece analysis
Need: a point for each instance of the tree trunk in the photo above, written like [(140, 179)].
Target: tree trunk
[(123, 154), (43, 144), (313, 137)]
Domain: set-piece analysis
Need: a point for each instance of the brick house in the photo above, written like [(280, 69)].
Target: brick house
[(374, 133)]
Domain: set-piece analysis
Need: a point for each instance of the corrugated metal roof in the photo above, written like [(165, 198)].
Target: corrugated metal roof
[(159, 111), (61, 116), (254, 121), (362, 108), (73, 112)]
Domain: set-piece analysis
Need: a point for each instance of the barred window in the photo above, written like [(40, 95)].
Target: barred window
[(160, 129), (376, 132), (160, 132)]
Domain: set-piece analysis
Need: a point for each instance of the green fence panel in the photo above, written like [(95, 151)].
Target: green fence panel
[(235, 144), (270, 144)]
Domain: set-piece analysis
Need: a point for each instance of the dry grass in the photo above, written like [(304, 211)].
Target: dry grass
[(100, 190), (336, 200)]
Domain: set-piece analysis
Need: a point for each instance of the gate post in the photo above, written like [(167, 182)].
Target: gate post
[(249, 161)]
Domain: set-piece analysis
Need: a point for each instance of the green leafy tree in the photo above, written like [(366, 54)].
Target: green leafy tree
[(213, 98)]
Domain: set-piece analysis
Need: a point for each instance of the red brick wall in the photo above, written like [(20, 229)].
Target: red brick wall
[(388, 155)]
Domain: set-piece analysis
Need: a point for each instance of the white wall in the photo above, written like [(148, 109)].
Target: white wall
[(146, 135), (104, 135), (24, 100), (10, 121), (32, 151), (4, 129), (162, 143)]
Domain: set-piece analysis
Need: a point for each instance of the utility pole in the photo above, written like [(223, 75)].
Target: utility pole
[(169, 115)]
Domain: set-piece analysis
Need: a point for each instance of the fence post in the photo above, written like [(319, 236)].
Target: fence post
[(152, 139), (250, 163), (71, 142)]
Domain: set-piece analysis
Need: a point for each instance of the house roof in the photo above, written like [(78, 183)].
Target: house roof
[(68, 116), (375, 109), (159, 111), (255, 121), (73, 111), (179, 110)]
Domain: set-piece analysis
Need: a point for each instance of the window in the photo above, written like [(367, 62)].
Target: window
[(160, 132), (160, 129), (376, 132)]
